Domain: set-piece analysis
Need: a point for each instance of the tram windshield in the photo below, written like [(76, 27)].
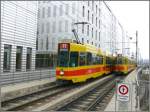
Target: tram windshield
[(63, 58)]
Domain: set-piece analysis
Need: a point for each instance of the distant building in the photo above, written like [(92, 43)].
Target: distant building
[(56, 20), (18, 35)]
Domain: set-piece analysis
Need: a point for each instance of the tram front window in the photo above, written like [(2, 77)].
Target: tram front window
[(73, 59), (63, 59), (120, 61)]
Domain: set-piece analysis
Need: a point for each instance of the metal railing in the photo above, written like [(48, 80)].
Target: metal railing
[(22, 76), (143, 89)]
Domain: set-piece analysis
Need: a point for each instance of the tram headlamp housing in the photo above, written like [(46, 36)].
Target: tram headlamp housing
[(61, 72)]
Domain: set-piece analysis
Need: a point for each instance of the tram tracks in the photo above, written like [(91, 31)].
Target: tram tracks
[(24, 101), (92, 99), (52, 93)]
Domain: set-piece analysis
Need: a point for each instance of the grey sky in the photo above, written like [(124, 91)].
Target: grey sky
[(134, 15)]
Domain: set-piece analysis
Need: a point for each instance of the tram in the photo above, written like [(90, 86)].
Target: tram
[(80, 62), (123, 65)]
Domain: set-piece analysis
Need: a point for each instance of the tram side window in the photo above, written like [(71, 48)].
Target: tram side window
[(107, 60), (126, 61), (89, 59), (97, 60), (94, 59), (82, 60), (100, 59), (73, 59)]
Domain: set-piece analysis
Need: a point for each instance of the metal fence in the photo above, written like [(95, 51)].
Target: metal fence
[(143, 89), (16, 77), (137, 98), (143, 93)]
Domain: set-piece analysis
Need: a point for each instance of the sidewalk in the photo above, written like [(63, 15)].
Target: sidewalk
[(115, 105), (19, 89)]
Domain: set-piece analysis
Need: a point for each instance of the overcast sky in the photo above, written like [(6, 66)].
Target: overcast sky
[(134, 15)]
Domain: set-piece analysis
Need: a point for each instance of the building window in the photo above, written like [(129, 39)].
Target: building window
[(67, 9), (96, 9), (47, 43), (49, 12), (18, 58), (73, 8), (60, 26), (61, 10), (83, 11), (96, 21), (54, 27), (47, 27), (88, 3), (99, 36), (92, 32), (7, 58), (42, 28), (66, 26), (43, 14), (41, 43), (92, 5), (96, 34), (99, 12), (37, 43), (88, 15), (88, 41), (54, 12), (82, 28), (83, 40), (87, 30), (92, 19), (99, 24), (38, 13), (29, 58)]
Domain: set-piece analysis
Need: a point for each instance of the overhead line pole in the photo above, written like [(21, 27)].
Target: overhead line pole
[(137, 46)]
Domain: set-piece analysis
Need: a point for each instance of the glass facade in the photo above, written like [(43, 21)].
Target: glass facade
[(18, 58), (28, 58), (7, 58)]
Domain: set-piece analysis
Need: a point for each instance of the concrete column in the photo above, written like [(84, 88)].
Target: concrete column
[(33, 59), (13, 59), (2, 57), (23, 64)]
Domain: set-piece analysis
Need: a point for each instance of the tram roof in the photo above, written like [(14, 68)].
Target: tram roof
[(85, 48)]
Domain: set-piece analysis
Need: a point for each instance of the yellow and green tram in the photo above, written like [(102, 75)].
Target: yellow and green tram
[(79, 62), (123, 65)]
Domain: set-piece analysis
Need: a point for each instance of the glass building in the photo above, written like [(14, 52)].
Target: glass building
[(56, 20)]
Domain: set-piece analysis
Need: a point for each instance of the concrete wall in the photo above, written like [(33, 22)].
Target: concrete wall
[(18, 28)]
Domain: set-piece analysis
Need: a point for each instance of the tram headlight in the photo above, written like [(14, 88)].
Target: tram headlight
[(61, 72)]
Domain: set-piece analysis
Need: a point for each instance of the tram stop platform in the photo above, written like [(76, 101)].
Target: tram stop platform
[(129, 101), (21, 89)]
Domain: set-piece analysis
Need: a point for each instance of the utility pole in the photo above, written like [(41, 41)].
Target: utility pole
[(136, 46)]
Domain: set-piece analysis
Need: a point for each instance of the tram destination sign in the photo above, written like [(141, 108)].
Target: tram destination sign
[(123, 92), (64, 46)]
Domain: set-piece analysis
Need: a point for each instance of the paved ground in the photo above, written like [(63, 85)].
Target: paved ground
[(19, 89), (115, 105)]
